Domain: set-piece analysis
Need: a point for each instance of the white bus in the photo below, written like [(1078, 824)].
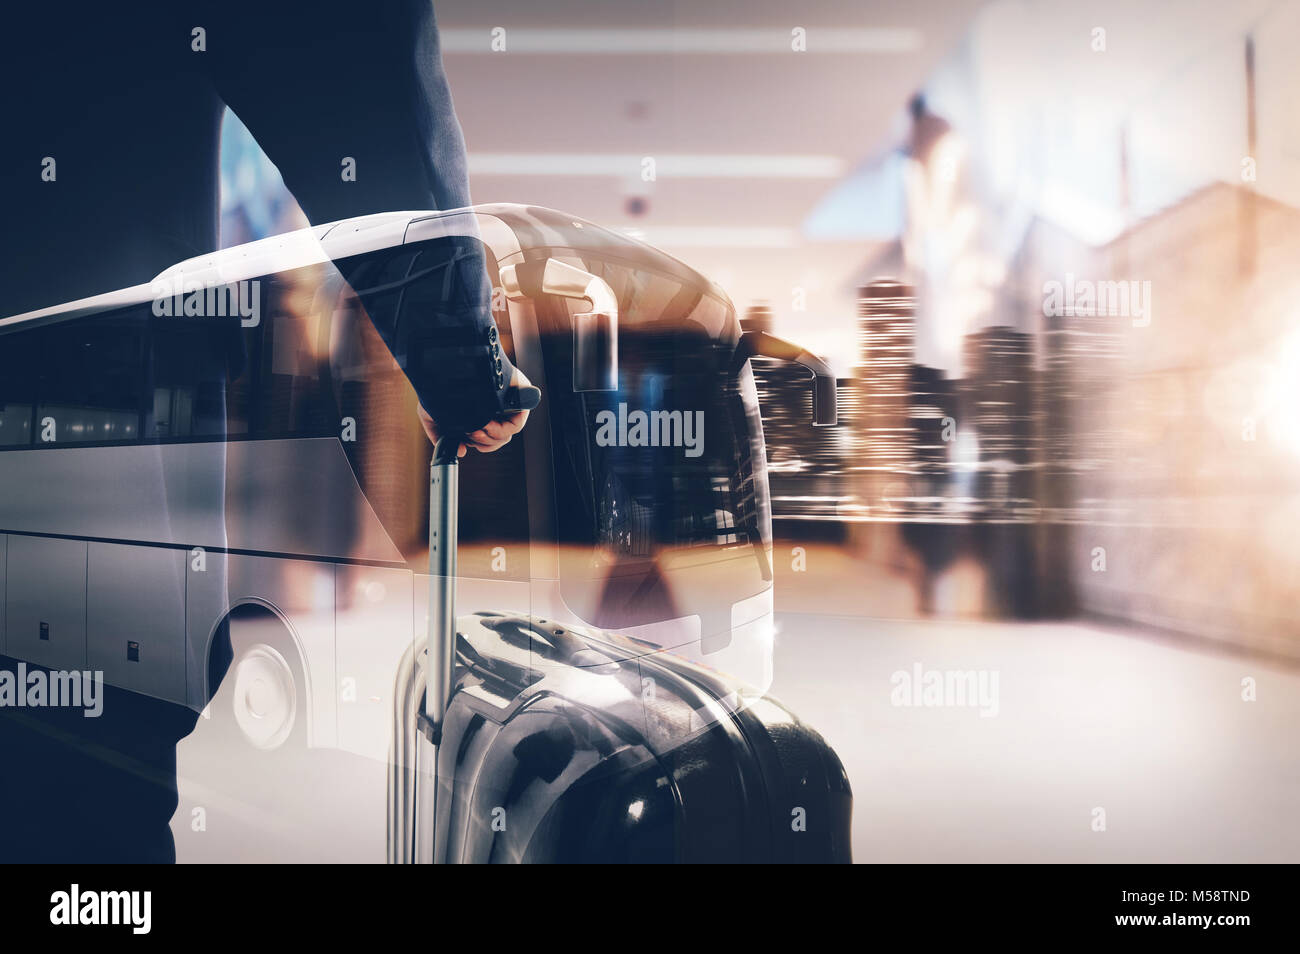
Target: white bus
[(192, 491)]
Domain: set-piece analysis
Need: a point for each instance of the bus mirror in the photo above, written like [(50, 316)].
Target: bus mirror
[(762, 344), (595, 332)]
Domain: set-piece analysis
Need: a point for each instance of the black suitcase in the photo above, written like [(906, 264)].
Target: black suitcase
[(552, 744)]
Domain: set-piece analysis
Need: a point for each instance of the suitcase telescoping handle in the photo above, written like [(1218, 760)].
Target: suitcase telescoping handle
[(444, 475)]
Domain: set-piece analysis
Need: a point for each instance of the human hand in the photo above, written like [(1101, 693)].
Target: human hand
[(492, 436)]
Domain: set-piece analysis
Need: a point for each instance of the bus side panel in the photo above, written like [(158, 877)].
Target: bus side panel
[(154, 493), (46, 608), (300, 592), (136, 618), (374, 626)]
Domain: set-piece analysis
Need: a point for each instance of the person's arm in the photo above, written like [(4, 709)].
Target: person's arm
[(323, 81)]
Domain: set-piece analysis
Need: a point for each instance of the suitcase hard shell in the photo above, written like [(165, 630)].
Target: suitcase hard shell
[(560, 745)]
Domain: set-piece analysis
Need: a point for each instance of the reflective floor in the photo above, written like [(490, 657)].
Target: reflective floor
[(1153, 733)]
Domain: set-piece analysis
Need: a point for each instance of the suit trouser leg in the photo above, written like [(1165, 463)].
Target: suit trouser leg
[(90, 789)]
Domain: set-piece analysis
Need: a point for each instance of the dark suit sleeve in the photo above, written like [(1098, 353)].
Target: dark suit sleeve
[(323, 82)]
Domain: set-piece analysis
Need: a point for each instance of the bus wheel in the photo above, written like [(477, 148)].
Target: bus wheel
[(247, 784), (258, 702)]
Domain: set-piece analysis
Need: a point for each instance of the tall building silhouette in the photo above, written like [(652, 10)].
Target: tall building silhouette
[(932, 410), (886, 433), (1081, 360), (998, 399)]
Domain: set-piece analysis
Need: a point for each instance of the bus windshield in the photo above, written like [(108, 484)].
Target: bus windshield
[(661, 497)]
